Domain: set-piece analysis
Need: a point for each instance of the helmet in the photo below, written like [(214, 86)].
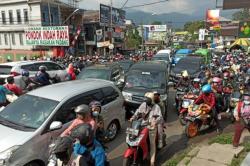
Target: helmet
[(184, 73), (10, 80), (206, 88), (149, 98), (82, 109), (216, 80), (63, 144), (226, 74), (25, 73), (42, 68), (197, 80), (95, 104), (83, 133)]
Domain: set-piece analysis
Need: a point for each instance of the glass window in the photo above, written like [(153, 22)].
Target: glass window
[(6, 39), (11, 17), (110, 94), (95, 73), (18, 14), (52, 66), (3, 17), (28, 112), (0, 39), (21, 38), (26, 16), (13, 39), (29, 67), (44, 17)]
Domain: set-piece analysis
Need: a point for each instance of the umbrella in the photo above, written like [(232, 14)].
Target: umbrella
[(241, 42)]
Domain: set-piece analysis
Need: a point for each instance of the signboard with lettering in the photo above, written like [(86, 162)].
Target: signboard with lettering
[(47, 36)]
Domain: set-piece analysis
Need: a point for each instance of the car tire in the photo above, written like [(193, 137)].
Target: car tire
[(112, 130), (33, 164)]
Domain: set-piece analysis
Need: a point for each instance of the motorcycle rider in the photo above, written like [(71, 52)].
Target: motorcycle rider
[(13, 87), (208, 78), (208, 97), (83, 115), (26, 82), (217, 90), (196, 83), (87, 151), (3, 92), (70, 73), (242, 117), (184, 81), (152, 118), (42, 77)]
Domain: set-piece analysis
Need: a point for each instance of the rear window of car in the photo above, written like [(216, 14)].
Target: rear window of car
[(5, 70)]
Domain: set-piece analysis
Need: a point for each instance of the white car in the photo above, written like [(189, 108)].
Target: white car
[(166, 52), (15, 69)]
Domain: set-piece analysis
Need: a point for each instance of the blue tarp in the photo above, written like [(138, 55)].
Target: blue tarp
[(184, 51)]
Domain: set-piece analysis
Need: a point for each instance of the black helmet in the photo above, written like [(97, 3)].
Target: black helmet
[(82, 109), (10, 80), (63, 144), (83, 133)]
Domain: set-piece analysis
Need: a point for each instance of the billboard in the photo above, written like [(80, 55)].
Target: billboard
[(213, 18), (236, 4), (244, 30), (118, 16), (47, 36), (157, 28)]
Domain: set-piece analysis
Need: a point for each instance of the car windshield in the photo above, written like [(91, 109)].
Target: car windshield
[(190, 65), (145, 80), (28, 111), (125, 66), (5, 69), (95, 73)]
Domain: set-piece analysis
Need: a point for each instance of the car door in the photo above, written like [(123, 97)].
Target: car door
[(55, 69), (111, 107)]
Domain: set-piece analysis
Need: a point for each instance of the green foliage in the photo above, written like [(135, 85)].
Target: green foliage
[(192, 27), (222, 139), (241, 15), (133, 39), (156, 23)]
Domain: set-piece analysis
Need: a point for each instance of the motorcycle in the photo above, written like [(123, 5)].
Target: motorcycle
[(180, 92), (234, 99), (188, 100), (227, 91), (198, 119)]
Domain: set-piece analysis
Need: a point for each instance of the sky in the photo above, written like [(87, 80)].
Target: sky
[(180, 6)]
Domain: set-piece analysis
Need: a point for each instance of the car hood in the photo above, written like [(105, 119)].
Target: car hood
[(142, 91), (12, 137)]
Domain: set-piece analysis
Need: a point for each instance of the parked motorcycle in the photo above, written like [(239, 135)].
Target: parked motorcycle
[(198, 119)]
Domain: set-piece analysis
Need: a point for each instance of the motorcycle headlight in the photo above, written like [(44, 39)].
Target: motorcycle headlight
[(6, 155), (186, 103), (127, 96), (134, 142)]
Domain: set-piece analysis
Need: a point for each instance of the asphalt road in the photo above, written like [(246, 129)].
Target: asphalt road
[(176, 138)]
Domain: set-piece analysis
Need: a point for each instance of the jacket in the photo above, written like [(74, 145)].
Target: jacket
[(3, 92), (206, 99), (14, 88), (42, 78)]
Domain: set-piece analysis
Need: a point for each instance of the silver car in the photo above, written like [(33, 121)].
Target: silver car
[(34, 120)]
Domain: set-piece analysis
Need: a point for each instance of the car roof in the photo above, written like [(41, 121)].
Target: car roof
[(61, 91), (19, 63), (191, 58), (164, 51), (150, 66)]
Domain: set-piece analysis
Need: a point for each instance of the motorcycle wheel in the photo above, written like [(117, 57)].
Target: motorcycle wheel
[(182, 119), (191, 129)]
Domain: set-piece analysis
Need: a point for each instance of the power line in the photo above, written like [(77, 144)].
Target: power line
[(146, 4), (124, 4)]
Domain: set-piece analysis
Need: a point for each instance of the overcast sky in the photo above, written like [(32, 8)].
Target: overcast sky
[(181, 6)]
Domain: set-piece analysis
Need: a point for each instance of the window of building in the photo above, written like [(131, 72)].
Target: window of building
[(44, 17), (6, 39), (18, 14), (52, 19), (0, 39), (21, 38), (3, 17), (11, 17), (26, 16), (13, 39)]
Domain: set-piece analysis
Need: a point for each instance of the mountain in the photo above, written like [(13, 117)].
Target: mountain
[(175, 19)]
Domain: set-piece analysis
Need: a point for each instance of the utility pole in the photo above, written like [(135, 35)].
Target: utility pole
[(142, 36), (111, 23)]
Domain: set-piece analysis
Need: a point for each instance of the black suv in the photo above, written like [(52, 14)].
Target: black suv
[(143, 77), (107, 71)]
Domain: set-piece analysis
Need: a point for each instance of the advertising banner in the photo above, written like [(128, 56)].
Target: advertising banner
[(118, 16), (157, 28), (47, 36), (202, 34), (213, 17), (244, 30), (235, 4), (103, 44)]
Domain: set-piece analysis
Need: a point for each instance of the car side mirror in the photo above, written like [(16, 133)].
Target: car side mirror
[(55, 125)]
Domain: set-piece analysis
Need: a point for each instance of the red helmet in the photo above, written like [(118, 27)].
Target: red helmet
[(226, 74), (216, 80)]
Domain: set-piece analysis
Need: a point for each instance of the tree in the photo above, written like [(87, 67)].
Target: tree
[(156, 23), (242, 15), (192, 27), (133, 39)]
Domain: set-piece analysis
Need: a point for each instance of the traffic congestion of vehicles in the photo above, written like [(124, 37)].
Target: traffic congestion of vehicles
[(67, 109)]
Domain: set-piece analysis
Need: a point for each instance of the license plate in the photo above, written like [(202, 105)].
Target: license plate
[(132, 131)]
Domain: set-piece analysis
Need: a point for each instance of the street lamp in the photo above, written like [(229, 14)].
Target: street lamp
[(74, 12)]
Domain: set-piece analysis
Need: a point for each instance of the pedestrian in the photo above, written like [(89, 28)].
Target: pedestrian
[(3, 92), (13, 87), (242, 117), (70, 73)]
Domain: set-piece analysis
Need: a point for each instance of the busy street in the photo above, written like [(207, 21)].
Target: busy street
[(111, 83)]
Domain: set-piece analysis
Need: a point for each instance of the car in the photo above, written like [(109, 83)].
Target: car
[(181, 53), (31, 123), (143, 77), (106, 71), (162, 57), (190, 63), (166, 52), (15, 69), (125, 65)]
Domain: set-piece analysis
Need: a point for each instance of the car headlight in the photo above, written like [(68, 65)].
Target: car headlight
[(6, 155), (127, 96), (164, 97)]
